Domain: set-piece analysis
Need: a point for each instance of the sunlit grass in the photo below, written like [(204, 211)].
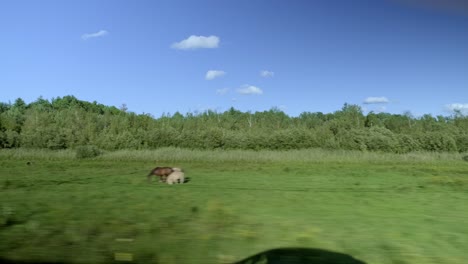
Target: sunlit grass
[(388, 209), (42, 154), (188, 155), (307, 155)]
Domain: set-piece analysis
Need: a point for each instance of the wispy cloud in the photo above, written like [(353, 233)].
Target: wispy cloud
[(382, 108), (211, 74), (457, 107), (249, 89), (376, 100), (100, 33), (197, 42), (222, 91), (267, 74)]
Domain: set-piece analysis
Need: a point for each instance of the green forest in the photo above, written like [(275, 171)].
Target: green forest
[(67, 122)]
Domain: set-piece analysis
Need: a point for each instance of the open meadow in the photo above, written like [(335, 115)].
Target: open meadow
[(377, 208)]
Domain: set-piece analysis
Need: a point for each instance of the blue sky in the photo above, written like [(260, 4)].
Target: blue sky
[(166, 56)]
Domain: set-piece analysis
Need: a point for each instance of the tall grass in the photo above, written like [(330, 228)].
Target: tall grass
[(305, 155), (186, 155), (41, 154)]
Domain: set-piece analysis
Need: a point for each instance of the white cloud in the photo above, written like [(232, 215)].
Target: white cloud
[(197, 42), (382, 109), (376, 100), (249, 89), (267, 74), (100, 33), (211, 74), (222, 91), (457, 107)]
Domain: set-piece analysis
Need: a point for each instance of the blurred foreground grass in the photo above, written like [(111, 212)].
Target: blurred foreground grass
[(379, 209)]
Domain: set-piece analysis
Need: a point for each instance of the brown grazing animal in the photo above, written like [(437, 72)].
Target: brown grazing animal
[(161, 172)]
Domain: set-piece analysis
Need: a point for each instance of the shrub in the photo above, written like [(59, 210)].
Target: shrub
[(436, 141), (58, 142), (212, 138), (164, 137), (11, 139), (2, 139), (282, 139), (381, 139), (407, 144), (257, 141), (353, 139), (325, 138), (89, 151), (462, 143), (234, 140)]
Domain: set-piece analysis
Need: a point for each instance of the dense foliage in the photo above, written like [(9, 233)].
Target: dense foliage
[(69, 123)]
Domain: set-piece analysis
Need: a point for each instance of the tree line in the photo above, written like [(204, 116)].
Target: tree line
[(67, 122)]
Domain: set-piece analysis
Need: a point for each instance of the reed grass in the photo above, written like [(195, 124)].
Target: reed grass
[(40, 154), (187, 155)]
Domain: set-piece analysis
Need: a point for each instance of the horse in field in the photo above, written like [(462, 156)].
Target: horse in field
[(161, 172), (176, 177)]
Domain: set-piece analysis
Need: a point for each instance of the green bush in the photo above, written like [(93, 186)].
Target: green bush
[(406, 144), (212, 138), (325, 138), (233, 140), (190, 139), (2, 139), (353, 139), (436, 141), (164, 137), (381, 139), (11, 139), (89, 151), (462, 143), (256, 141), (282, 139), (58, 142)]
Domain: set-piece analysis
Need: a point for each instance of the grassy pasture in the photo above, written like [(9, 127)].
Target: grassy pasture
[(378, 208)]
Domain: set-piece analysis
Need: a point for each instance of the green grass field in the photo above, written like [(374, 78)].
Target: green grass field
[(378, 208)]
